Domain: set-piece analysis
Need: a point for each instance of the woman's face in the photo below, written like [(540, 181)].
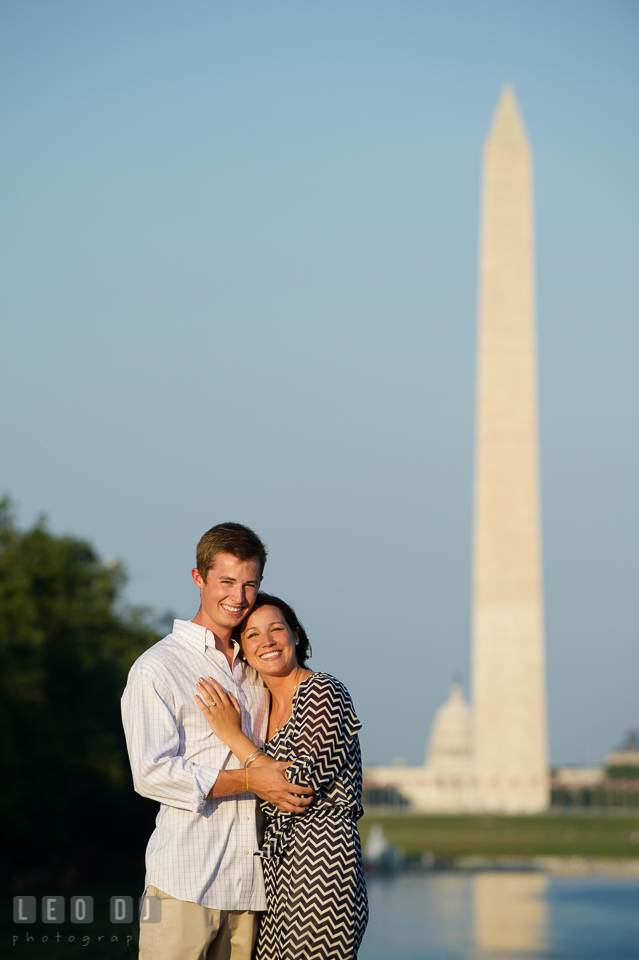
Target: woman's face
[(269, 643)]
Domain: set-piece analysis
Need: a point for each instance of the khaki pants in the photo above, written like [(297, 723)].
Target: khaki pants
[(188, 931)]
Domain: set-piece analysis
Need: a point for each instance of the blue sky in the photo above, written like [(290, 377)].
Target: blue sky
[(239, 265)]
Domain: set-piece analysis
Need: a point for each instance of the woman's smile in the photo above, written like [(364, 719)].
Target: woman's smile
[(268, 640)]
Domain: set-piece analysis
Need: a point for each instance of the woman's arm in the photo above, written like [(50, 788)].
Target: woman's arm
[(269, 784), (325, 730), (224, 717)]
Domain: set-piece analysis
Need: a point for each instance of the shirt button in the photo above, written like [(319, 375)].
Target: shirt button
[(246, 853), (246, 818)]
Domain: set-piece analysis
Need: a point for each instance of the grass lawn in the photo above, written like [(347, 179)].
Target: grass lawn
[(547, 835)]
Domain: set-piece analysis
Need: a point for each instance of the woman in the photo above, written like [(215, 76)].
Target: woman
[(315, 889)]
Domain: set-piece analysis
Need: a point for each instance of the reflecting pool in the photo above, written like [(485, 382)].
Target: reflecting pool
[(502, 916)]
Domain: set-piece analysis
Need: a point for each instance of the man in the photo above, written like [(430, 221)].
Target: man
[(200, 858)]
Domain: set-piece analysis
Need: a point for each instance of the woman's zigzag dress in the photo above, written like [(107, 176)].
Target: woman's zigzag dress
[(316, 892)]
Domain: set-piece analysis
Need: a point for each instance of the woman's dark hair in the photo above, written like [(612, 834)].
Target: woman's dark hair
[(303, 650)]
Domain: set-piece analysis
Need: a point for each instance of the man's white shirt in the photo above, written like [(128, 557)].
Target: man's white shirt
[(201, 850)]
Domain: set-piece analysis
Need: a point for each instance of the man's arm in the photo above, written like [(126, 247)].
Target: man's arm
[(160, 774), (153, 743), (268, 782)]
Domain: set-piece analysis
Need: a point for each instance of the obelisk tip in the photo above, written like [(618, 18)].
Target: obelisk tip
[(507, 131)]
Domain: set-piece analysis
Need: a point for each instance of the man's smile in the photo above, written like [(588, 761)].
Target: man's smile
[(233, 610)]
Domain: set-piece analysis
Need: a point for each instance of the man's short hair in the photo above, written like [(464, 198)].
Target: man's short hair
[(233, 538)]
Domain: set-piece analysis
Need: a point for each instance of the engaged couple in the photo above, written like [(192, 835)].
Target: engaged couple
[(223, 711)]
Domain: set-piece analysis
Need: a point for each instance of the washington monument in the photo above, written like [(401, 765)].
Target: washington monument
[(492, 754), (508, 676)]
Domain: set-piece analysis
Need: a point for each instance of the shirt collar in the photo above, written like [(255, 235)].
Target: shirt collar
[(197, 635)]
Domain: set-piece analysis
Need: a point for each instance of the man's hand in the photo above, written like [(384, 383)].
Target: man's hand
[(268, 782)]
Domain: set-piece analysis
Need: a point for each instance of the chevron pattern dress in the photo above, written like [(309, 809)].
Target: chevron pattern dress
[(315, 889)]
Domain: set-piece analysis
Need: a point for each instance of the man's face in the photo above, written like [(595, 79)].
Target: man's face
[(229, 591)]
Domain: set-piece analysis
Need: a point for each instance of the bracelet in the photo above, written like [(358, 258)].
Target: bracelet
[(251, 757)]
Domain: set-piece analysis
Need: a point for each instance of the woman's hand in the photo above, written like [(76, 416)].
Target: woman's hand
[(221, 709)]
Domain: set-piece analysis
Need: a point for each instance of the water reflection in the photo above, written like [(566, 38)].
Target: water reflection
[(502, 916), (410, 911), (509, 914)]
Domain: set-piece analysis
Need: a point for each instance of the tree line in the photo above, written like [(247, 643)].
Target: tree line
[(67, 803)]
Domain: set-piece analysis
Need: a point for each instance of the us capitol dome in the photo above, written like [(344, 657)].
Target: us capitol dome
[(446, 782), (450, 746)]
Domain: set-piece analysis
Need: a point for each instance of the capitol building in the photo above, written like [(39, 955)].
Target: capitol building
[(446, 782)]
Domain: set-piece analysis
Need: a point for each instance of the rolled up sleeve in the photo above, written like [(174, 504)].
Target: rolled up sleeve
[(153, 743), (325, 728)]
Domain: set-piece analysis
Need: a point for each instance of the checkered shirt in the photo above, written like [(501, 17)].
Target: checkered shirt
[(201, 850)]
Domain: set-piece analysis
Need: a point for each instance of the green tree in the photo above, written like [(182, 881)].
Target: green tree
[(67, 802)]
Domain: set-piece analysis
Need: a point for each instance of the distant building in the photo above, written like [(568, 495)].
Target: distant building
[(620, 764), (446, 782), (577, 778), (614, 785), (625, 760)]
